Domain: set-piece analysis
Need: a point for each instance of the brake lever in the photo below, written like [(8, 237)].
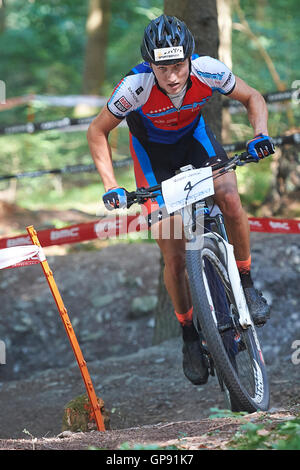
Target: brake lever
[(231, 165)]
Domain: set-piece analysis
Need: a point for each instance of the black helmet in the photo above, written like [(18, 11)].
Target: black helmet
[(167, 32)]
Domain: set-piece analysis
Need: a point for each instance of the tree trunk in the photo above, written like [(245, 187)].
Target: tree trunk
[(225, 56), (202, 19), (2, 16), (97, 35), (260, 9)]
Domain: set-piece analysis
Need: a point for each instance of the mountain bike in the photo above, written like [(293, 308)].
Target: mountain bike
[(220, 312)]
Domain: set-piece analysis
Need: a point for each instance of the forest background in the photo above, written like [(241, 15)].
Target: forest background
[(44, 50), (57, 48)]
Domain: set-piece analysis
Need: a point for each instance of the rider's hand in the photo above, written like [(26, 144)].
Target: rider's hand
[(115, 198), (261, 146)]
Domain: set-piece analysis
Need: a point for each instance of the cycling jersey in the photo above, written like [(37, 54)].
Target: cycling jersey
[(164, 137), (151, 115)]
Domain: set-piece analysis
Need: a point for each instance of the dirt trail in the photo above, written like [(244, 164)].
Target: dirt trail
[(143, 387)]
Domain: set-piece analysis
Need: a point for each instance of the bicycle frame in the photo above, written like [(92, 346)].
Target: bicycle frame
[(194, 240), (191, 215)]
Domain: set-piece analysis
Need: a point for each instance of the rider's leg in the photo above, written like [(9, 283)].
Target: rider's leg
[(167, 233), (237, 226), (172, 248)]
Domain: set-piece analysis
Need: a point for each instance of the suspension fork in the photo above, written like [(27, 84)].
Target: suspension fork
[(218, 220)]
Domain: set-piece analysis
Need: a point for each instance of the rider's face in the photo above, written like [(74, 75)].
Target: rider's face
[(172, 78)]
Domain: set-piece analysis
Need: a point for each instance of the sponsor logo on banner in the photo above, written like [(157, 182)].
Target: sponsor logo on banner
[(279, 225), (255, 223), (64, 233), (18, 241)]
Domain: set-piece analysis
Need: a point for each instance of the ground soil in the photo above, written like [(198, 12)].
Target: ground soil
[(146, 395)]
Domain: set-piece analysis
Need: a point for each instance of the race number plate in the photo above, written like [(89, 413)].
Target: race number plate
[(187, 187)]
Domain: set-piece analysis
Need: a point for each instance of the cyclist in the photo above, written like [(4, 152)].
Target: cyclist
[(161, 100)]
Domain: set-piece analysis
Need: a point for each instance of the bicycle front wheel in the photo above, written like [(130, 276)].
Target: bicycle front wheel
[(235, 351)]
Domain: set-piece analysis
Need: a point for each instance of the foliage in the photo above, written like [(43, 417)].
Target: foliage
[(217, 413), (277, 39), (42, 46), (56, 150), (42, 52), (127, 446), (268, 436), (127, 26)]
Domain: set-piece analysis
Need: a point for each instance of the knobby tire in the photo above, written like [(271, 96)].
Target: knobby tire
[(231, 347)]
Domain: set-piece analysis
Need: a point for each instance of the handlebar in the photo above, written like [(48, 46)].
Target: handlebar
[(141, 195)]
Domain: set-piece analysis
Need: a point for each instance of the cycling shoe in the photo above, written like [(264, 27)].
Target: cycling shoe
[(258, 306), (194, 363)]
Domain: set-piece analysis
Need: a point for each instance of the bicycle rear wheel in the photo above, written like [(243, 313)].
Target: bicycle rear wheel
[(236, 351)]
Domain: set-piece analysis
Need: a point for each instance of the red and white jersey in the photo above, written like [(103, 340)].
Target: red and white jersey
[(150, 113)]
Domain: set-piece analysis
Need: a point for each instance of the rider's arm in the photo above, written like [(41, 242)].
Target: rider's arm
[(97, 136), (254, 103)]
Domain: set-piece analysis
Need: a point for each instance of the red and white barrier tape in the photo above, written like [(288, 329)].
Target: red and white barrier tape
[(17, 256), (112, 227), (102, 229), (272, 225)]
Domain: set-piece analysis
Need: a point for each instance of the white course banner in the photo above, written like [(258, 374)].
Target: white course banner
[(187, 187), (17, 254)]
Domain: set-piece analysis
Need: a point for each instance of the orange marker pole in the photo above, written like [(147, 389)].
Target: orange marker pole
[(71, 334)]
